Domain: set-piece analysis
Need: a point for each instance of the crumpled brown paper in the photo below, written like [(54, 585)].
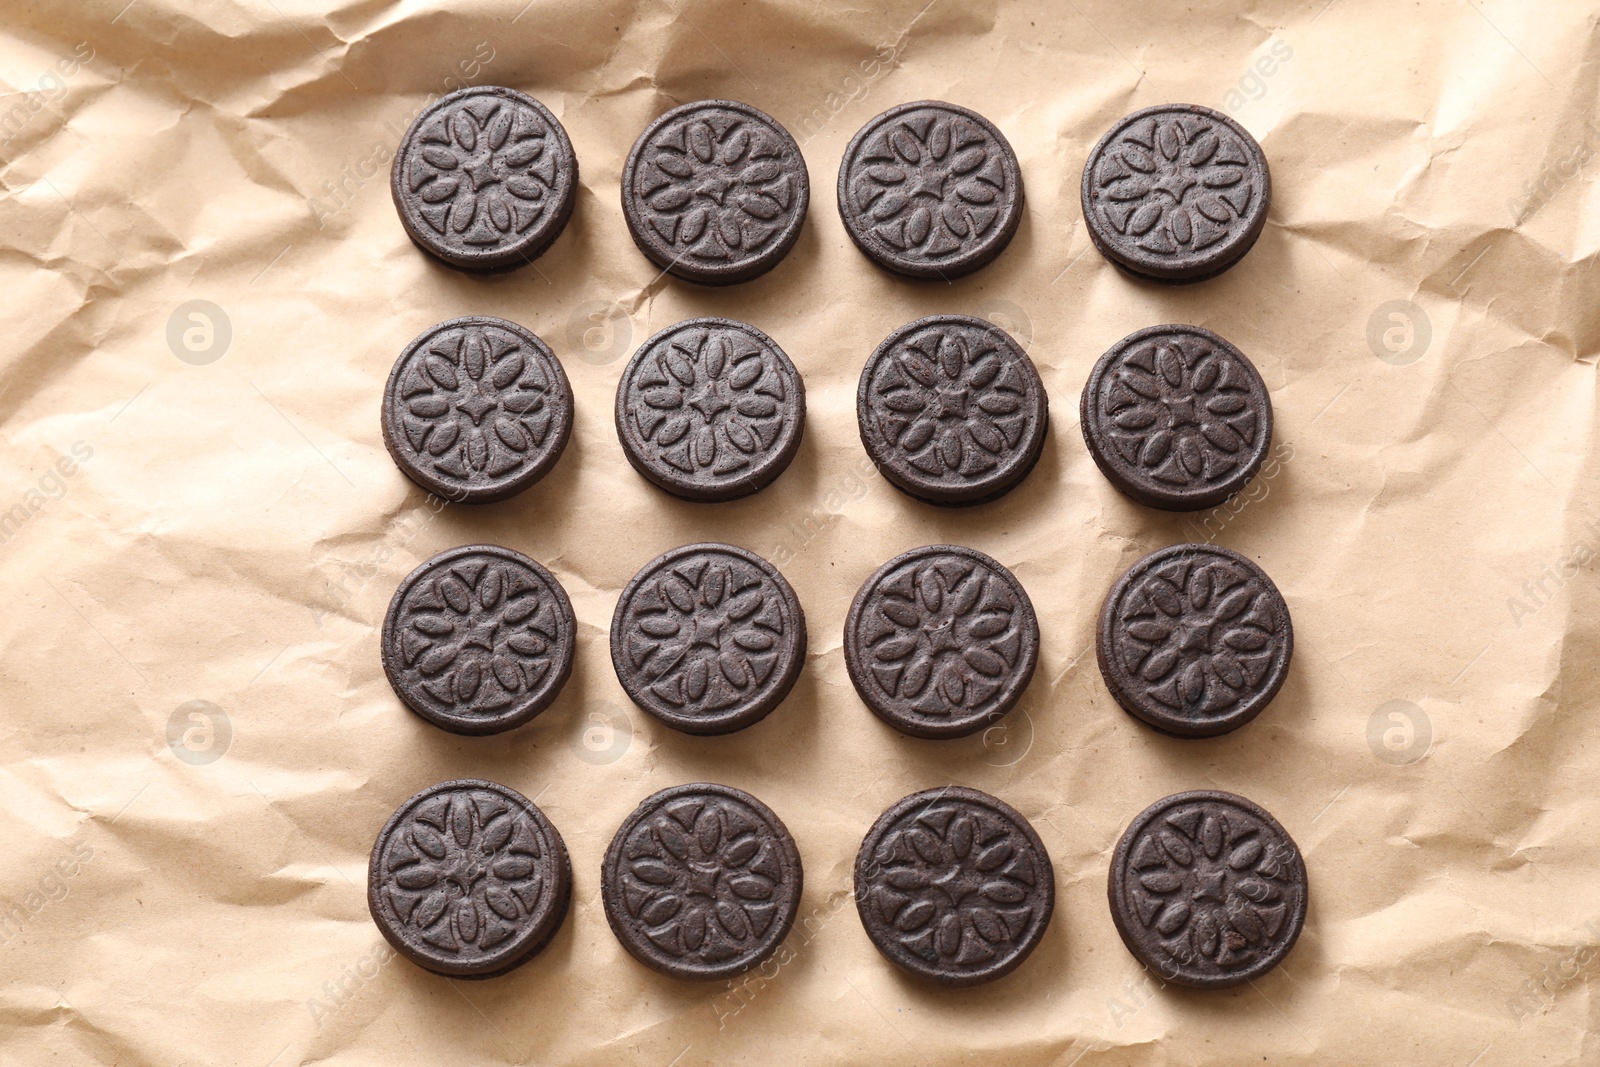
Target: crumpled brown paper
[(206, 286)]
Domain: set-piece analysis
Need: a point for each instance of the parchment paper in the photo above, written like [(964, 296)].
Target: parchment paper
[(200, 528)]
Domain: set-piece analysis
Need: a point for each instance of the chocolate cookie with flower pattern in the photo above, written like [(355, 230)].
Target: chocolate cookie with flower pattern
[(469, 879), (708, 638), (479, 639), (476, 409), (930, 190), (715, 192), (1195, 640), (1207, 889), (952, 411), (702, 881), (954, 885), (1176, 193), (485, 179), (710, 409), (1176, 418), (941, 641)]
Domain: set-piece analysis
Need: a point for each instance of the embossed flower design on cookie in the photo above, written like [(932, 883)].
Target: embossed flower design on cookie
[(715, 187), (713, 406), (701, 882), (964, 895), (941, 641), (954, 885), (1214, 889), (1176, 183), (929, 183), (479, 402), (930, 189), (1176, 193), (1195, 640), (1176, 417), (1207, 889), (478, 634), (713, 636), (710, 409), (699, 877), (952, 410), (487, 639), (482, 171), (709, 638), (950, 638), (476, 409), (1200, 635), (954, 404), (1186, 414), (463, 871)]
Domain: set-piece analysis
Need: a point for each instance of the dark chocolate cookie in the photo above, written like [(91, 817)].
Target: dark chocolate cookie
[(485, 179), (1195, 640), (702, 881), (1207, 890), (930, 190), (715, 192), (479, 639), (1176, 193), (476, 410), (1176, 418), (710, 409), (708, 638), (941, 641), (952, 411), (469, 879), (954, 885)]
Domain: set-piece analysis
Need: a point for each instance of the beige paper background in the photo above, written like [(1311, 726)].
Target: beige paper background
[(237, 528)]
